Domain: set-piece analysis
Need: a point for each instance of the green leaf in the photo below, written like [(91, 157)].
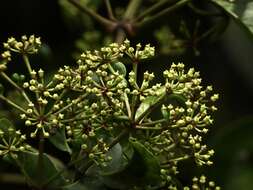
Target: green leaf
[(145, 105), (59, 141), (118, 162), (148, 103), (29, 163), (143, 169), (176, 99), (240, 10), (152, 171), (120, 67)]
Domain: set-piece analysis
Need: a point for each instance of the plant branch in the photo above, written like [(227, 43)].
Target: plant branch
[(102, 20), (168, 10), (154, 122), (120, 35), (12, 104), (201, 11), (109, 9), (19, 89), (150, 10), (27, 63), (131, 9)]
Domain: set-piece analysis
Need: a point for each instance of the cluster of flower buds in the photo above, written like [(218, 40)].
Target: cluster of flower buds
[(35, 113), (5, 58), (11, 142), (138, 53), (202, 183), (27, 45), (97, 152)]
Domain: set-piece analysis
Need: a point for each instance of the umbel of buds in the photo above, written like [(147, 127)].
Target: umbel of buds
[(97, 105)]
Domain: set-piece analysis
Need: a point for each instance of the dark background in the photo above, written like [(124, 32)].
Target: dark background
[(226, 63)]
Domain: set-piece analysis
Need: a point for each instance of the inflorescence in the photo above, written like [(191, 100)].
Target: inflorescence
[(97, 100)]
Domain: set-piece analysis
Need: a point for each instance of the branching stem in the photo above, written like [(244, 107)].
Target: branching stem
[(102, 20)]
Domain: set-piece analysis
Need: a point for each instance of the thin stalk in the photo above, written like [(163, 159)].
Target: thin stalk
[(154, 122), (201, 11), (148, 128), (207, 33), (109, 9), (27, 63), (9, 80), (132, 8), (127, 105), (13, 104), (166, 165), (130, 12), (68, 106), (168, 10), (134, 97), (59, 98), (16, 86), (150, 10), (91, 13)]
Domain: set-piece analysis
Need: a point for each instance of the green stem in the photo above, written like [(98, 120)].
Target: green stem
[(27, 63), (154, 122), (148, 128), (127, 105), (201, 11), (67, 106), (57, 101), (150, 10), (92, 13), (109, 9), (13, 104), (8, 79), (168, 10), (132, 8), (166, 165), (18, 88), (207, 33)]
